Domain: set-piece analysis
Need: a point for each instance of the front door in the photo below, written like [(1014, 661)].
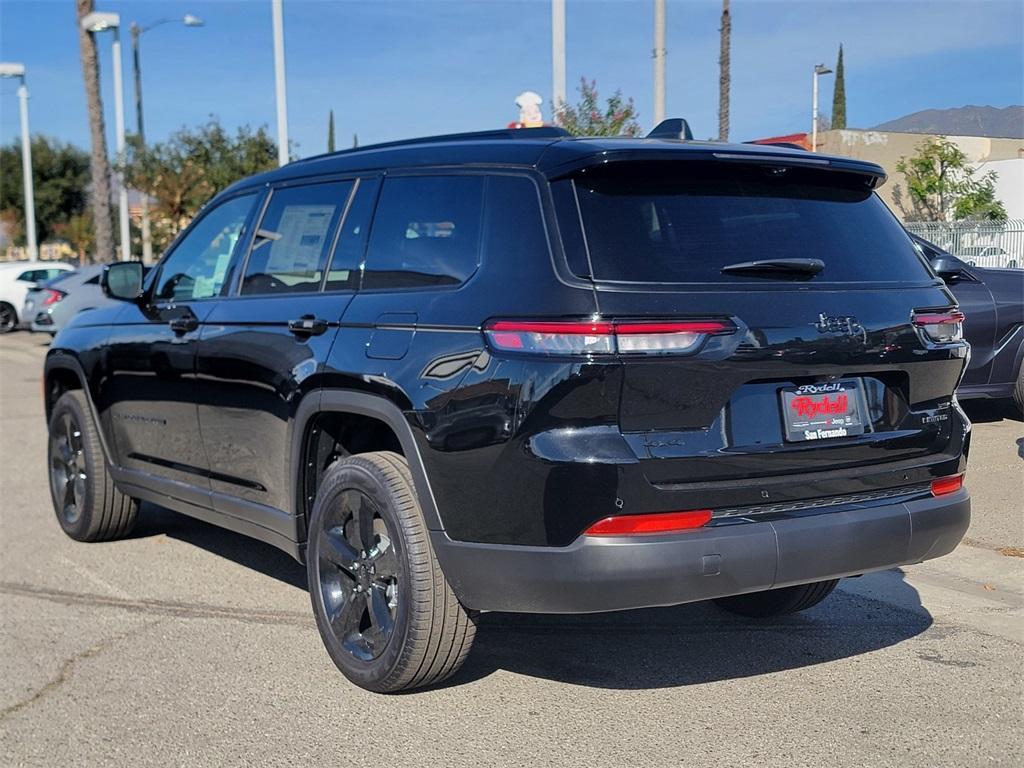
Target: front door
[(147, 395)]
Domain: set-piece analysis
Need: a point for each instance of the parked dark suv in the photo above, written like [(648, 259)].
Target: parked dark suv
[(515, 371)]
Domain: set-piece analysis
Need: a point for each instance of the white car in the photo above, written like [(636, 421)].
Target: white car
[(16, 278)]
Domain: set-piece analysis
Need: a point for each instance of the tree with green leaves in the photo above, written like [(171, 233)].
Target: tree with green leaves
[(941, 185), (191, 166), (617, 117), (330, 131), (60, 177), (78, 231), (839, 95)]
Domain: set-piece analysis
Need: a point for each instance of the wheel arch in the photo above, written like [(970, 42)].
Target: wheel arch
[(62, 373), (325, 403)]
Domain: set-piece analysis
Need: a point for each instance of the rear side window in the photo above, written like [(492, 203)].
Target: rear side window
[(684, 222), (426, 232), (294, 238)]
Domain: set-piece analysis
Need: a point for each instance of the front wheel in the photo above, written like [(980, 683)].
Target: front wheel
[(777, 602), (386, 614), (89, 506)]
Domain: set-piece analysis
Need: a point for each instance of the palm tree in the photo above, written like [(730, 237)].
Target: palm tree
[(98, 163), (723, 75)]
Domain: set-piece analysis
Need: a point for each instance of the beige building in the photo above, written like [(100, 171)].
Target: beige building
[(886, 148)]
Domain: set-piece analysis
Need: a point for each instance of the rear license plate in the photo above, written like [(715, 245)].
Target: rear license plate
[(822, 411)]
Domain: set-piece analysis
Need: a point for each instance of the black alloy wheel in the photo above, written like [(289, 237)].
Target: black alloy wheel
[(68, 468), (358, 575)]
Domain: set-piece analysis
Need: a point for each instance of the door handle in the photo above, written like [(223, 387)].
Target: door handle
[(184, 324), (307, 326)]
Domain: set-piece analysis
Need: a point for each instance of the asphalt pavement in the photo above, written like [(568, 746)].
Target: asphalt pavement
[(190, 645)]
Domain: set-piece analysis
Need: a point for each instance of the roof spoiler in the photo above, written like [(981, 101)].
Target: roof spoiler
[(673, 128)]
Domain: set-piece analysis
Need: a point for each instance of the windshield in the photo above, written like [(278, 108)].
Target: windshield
[(683, 222)]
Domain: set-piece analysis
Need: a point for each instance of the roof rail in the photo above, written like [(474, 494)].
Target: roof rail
[(673, 128), (545, 132)]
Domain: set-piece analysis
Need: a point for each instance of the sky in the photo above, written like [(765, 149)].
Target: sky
[(391, 69)]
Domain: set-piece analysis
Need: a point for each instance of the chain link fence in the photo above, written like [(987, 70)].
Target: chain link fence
[(979, 243)]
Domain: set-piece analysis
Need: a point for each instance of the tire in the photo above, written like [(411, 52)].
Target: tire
[(8, 317), (778, 602), (90, 508), (1018, 393), (385, 612)]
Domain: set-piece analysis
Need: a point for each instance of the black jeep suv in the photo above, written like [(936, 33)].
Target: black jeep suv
[(515, 371)]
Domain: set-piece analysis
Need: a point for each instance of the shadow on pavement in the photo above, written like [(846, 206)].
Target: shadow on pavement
[(650, 648), (253, 554), (988, 411)]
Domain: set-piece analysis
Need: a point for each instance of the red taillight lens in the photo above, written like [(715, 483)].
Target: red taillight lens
[(945, 485), (603, 337), (940, 327), (52, 297), (658, 522)]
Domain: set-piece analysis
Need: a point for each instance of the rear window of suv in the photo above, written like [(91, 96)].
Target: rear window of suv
[(683, 222)]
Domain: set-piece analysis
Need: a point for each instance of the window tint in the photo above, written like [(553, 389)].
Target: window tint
[(195, 268), (343, 274), (683, 222), (294, 238), (426, 232), (515, 226)]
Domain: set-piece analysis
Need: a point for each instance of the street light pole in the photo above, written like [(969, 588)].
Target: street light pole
[(557, 56), (189, 21), (122, 192), (279, 83), (18, 71), (659, 61), (819, 69)]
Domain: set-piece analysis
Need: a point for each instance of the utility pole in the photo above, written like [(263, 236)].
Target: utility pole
[(659, 61), (557, 56), (279, 83), (819, 69), (147, 240), (723, 74), (12, 69)]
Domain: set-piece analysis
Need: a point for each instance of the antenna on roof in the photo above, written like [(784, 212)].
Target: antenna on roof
[(673, 128)]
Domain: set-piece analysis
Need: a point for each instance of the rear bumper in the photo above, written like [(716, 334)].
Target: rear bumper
[(606, 574)]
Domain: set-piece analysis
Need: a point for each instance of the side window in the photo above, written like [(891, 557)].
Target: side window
[(426, 232), (515, 225), (195, 269), (31, 276), (294, 237), (343, 274)]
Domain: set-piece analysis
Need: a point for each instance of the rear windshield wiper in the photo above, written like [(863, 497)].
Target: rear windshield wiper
[(805, 267)]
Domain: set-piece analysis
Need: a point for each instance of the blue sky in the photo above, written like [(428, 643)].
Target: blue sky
[(393, 69)]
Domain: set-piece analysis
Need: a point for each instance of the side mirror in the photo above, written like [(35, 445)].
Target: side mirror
[(123, 280), (948, 269)]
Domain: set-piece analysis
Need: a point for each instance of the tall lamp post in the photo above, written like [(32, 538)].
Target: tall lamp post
[(819, 69), (277, 14), (659, 61), (189, 21), (11, 69), (99, 21), (557, 58)]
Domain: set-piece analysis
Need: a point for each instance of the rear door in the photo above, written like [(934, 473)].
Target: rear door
[(262, 344), (822, 366)]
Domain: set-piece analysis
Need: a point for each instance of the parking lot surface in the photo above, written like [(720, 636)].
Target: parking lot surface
[(190, 645)]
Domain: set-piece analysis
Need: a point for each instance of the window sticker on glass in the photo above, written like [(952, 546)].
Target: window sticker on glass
[(301, 234)]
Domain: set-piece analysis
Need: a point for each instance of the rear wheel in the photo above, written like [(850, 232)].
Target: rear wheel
[(89, 506), (8, 317), (388, 618), (1018, 393), (777, 602)]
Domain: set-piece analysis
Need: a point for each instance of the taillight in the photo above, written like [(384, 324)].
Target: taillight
[(657, 522), (52, 297), (940, 326), (600, 337), (945, 485)]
